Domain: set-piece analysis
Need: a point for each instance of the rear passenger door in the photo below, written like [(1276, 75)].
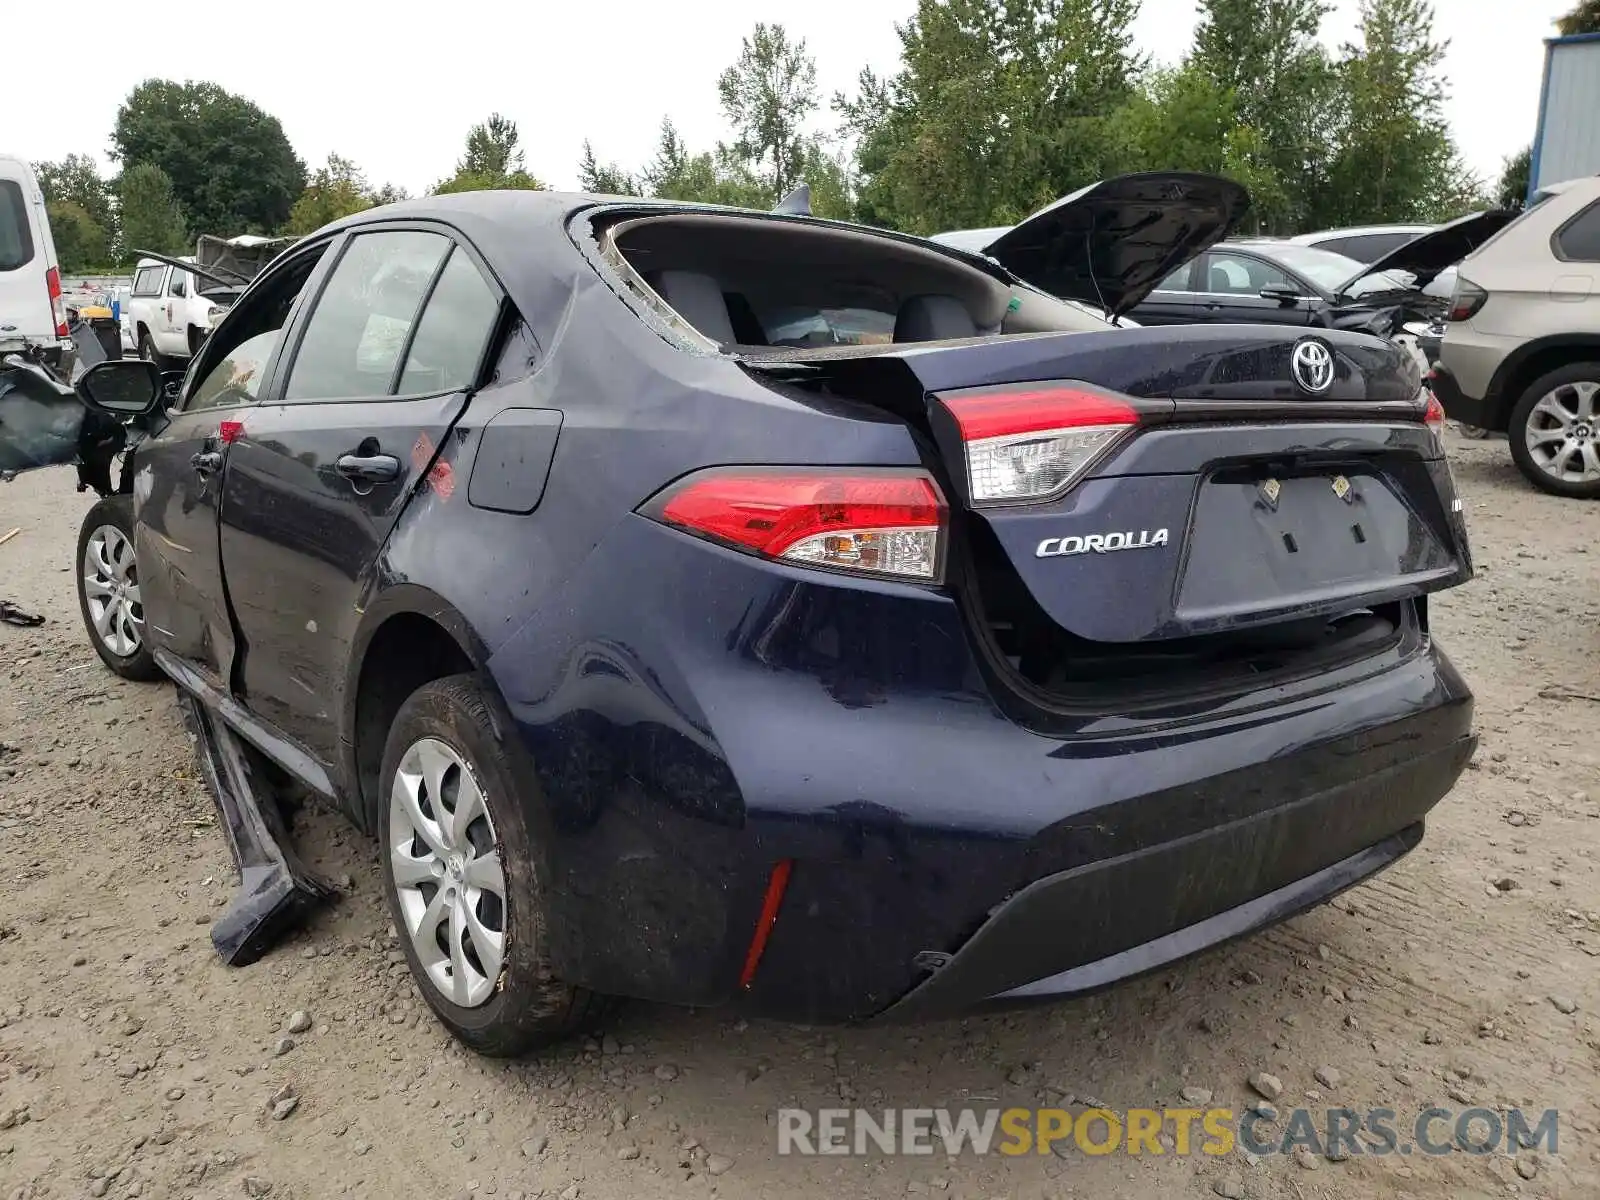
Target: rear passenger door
[(1173, 301), (377, 372)]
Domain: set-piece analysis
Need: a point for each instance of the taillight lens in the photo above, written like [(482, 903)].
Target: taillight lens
[(58, 310), (1031, 443), (1433, 412), (1466, 300), (888, 523)]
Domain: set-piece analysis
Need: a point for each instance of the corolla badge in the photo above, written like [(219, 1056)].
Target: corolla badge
[(1101, 543), (1312, 364)]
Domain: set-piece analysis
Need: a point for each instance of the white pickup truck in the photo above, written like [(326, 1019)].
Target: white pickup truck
[(174, 302)]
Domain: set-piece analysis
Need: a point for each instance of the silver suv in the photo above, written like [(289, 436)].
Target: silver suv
[(1521, 350)]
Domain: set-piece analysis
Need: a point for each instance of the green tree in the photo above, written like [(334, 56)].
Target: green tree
[(1265, 55), (334, 190), (1396, 160), (999, 107), (605, 179), (492, 148), (80, 240), (390, 193), (1511, 190), (767, 96), (151, 218), (231, 166), (76, 179), (707, 177), (1584, 18), (493, 160)]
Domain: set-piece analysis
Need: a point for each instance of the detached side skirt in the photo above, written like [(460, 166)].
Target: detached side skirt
[(277, 893)]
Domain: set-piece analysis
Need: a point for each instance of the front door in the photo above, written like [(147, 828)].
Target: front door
[(384, 363), (176, 487), (178, 484), (1231, 283)]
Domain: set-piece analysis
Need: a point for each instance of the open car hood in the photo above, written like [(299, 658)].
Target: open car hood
[(1110, 243), (225, 266), (243, 257), (1425, 256)]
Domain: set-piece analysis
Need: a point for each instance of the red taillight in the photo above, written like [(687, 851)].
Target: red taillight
[(887, 522), (58, 311), (1466, 300), (1433, 412), (1032, 442)]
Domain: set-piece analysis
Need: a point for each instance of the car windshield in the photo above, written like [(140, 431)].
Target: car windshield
[(1328, 270)]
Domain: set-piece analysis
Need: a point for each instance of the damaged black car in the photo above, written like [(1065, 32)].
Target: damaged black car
[(732, 608)]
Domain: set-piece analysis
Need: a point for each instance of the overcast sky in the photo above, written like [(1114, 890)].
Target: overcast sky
[(396, 88)]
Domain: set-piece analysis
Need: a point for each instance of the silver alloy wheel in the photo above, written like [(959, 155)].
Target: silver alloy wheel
[(111, 587), (447, 871), (1563, 432)]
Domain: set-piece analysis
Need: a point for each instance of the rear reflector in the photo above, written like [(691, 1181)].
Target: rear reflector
[(888, 522), (58, 311), (1033, 443), (770, 903)]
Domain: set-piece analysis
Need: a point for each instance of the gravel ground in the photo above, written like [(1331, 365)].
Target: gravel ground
[(133, 1063)]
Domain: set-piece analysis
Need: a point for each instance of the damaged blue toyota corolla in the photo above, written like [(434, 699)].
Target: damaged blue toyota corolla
[(719, 607)]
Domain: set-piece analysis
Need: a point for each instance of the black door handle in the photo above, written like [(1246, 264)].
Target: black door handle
[(368, 468), (207, 461)]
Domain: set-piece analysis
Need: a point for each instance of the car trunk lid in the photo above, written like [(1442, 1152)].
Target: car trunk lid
[(1216, 491), (1109, 244)]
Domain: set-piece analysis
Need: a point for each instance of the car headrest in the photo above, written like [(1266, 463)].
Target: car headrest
[(933, 319), (698, 300)]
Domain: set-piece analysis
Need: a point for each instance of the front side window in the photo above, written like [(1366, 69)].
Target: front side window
[(359, 328), (16, 235), (1242, 275), (230, 367), (148, 281)]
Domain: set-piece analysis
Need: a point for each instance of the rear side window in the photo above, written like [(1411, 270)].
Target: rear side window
[(1579, 239), (1367, 247), (454, 329), (16, 235), (363, 319), (148, 281)]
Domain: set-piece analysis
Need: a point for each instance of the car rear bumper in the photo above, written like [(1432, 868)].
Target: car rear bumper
[(756, 714), (1458, 406), (1084, 929)]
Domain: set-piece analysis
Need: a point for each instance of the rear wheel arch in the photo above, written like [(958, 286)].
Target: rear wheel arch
[(408, 641), (1531, 360)]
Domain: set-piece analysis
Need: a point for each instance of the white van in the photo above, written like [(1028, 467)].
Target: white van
[(31, 310)]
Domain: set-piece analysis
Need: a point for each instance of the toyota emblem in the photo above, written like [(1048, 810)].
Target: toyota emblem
[(1312, 364)]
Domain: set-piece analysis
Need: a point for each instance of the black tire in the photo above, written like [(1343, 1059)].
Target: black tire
[(529, 1007), (1517, 432), (148, 351), (114, 512)]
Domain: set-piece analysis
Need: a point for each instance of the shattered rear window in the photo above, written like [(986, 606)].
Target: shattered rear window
[(827, 327), (16, 239)]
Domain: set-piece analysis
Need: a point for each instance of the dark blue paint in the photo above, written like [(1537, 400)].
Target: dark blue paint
[(692, 714)]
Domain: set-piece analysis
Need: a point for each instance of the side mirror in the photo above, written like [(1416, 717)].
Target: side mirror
[(1284, 296), (121, 387)]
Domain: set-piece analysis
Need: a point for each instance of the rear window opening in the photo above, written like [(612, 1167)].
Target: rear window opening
[(16, 235), (1060, 668), (764, 285)]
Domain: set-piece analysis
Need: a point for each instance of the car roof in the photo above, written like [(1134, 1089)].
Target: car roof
[(1359, 230)]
